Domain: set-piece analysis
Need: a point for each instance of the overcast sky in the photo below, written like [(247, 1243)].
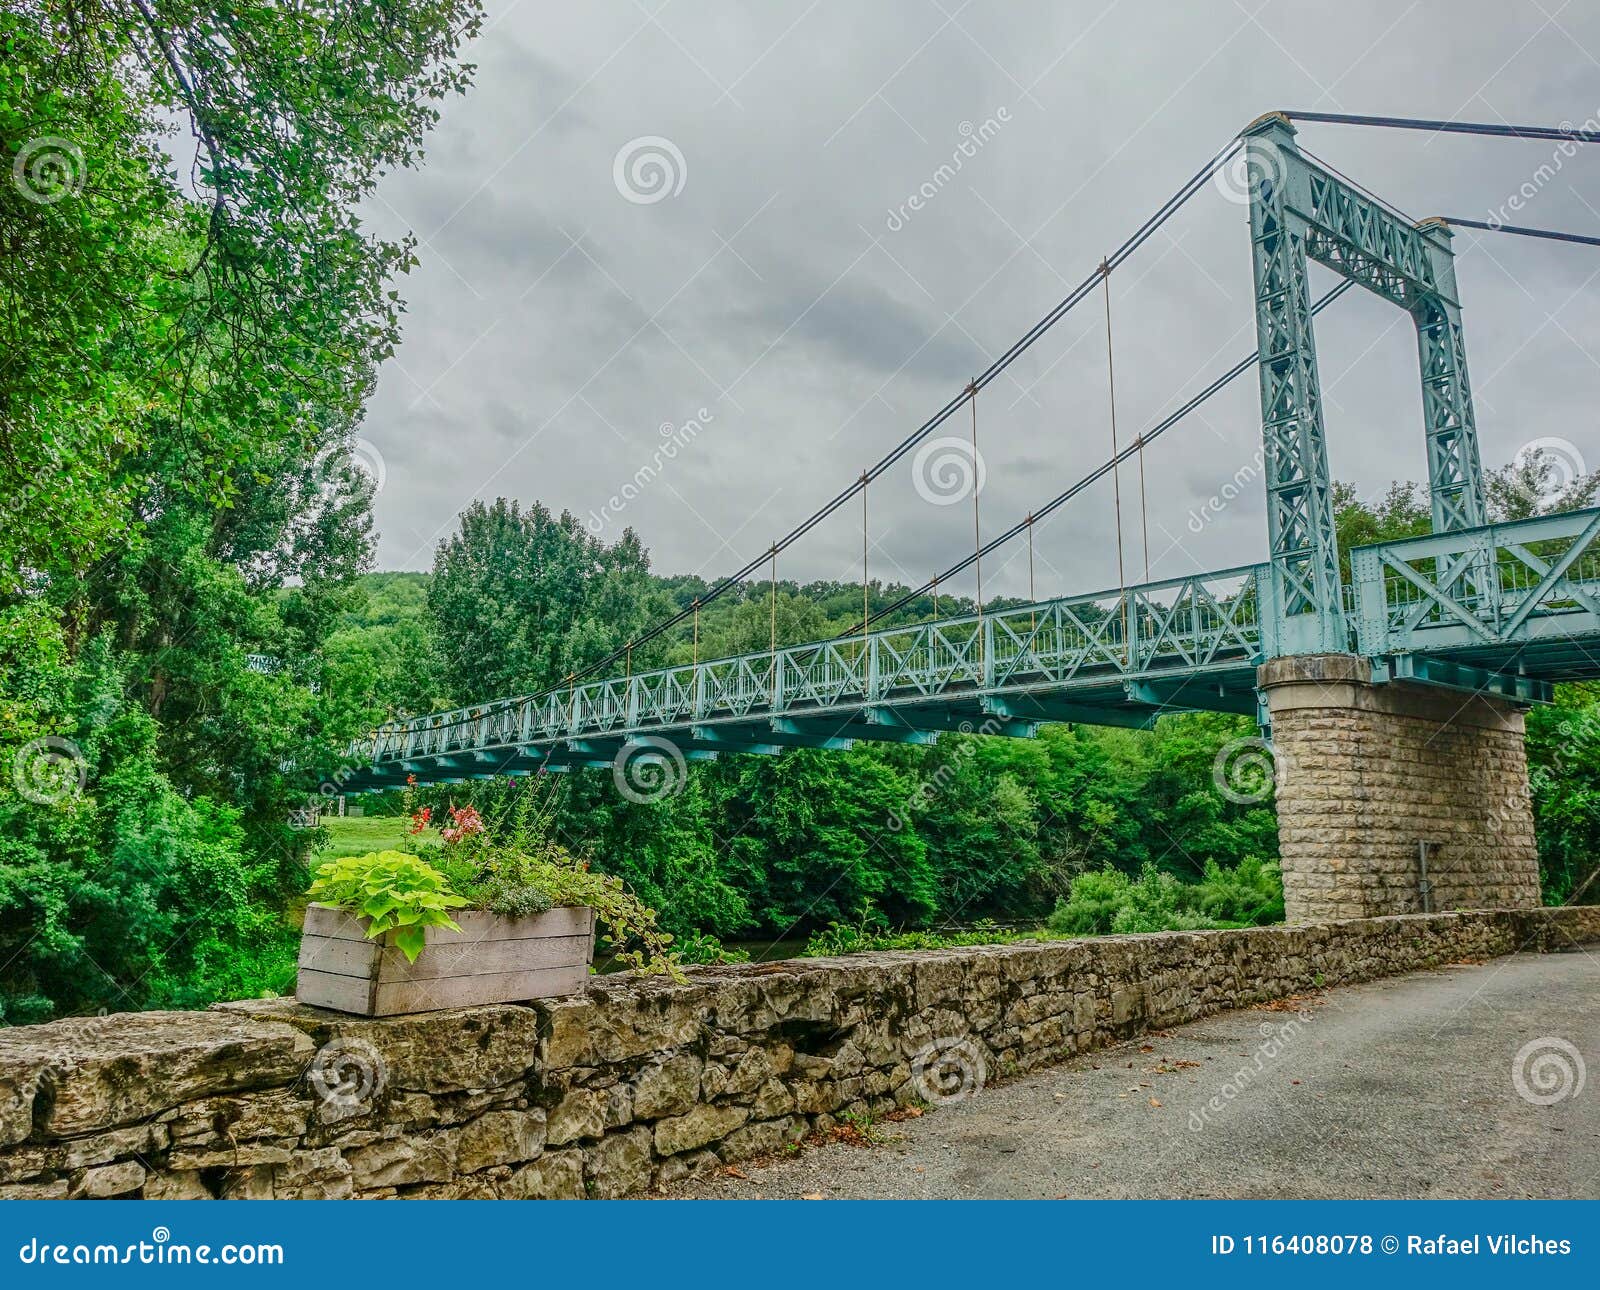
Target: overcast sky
[(772, 274)]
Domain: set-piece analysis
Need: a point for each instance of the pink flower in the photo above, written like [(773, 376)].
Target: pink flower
[(464, 822)]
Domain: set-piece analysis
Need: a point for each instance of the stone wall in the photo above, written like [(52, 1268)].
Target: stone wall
[(1367, 772), (634, 1084)]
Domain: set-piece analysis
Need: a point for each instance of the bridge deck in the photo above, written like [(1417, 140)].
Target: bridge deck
[(1510, 606)]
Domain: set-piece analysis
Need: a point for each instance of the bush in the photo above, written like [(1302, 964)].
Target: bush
[(1108, 900), (1248, 895)]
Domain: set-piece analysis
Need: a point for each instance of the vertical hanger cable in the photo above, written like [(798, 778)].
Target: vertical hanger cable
[(1116, 472)]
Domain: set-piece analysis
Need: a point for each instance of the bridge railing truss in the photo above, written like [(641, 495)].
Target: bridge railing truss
[(1516, 594), (1179, 628)]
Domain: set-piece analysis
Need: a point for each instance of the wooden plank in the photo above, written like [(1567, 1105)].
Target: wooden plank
[(329, 990), (340, 957), (325, 920), (477, 924), (393, 997), (459, 956), (563, 921)]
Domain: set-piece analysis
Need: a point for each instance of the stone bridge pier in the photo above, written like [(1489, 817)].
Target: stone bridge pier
[(1396, 798)]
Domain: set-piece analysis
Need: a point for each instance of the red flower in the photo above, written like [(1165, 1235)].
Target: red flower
[(421, 819)]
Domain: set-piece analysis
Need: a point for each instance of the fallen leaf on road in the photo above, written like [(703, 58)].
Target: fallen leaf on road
[(812, 1195), (1153, 1102), (733, 1171)]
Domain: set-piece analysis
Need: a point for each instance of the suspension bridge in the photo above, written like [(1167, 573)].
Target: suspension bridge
[(1493, 614)]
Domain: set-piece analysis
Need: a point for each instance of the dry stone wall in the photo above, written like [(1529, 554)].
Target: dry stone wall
[(634, 1084)]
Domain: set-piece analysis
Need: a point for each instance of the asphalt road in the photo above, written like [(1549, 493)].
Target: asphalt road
[(1399, 1088)]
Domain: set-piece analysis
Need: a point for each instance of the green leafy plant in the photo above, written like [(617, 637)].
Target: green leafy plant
[(512, 865), (392, 891), (702, 947)]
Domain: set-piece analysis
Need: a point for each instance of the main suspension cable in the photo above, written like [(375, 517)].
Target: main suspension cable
[(1135, 240), (1522, 231), (1105, 467), (1552, 132)]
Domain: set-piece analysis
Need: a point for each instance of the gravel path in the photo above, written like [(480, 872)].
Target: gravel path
[(1402, 1087)]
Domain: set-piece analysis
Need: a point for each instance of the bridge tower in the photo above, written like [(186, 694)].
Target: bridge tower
[(1394, 795)]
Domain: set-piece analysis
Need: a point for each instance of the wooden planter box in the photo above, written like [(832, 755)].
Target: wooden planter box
[(490, 960)]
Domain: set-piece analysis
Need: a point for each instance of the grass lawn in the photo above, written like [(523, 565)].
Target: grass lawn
[(357, 835)]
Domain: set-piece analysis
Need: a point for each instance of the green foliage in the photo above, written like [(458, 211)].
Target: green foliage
[(1109, 900), (124, 892), (512, 861), (869, 932), (392, 891), (520, 597), (1564, 774), (701, 947), (188, 350), (1248, 895)]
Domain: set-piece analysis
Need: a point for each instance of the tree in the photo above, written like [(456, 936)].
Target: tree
[(187, 355), (233, 306), (520, 598)]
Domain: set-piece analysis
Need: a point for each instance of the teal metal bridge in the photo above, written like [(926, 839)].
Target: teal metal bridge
[(1502, 609)]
